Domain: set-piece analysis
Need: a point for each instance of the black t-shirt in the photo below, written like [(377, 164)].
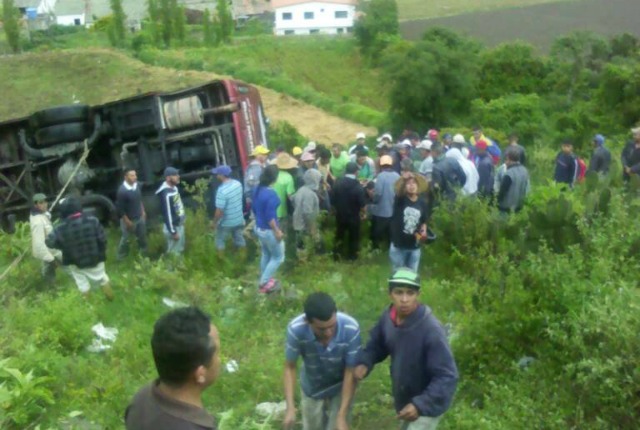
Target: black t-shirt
[(406, 220)]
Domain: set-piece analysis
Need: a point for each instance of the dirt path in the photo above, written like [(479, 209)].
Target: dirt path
[(95, 76)]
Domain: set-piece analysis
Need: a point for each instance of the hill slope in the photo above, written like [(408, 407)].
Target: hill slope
[(94, 76)]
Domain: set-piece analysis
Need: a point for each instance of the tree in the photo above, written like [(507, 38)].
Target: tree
[(431, 84), (521, 113), (209, 35), (154, 18), (117, 32), (179, 21), (224, 21), (378, 24), (511, 68), (164, 12), (10, 18)]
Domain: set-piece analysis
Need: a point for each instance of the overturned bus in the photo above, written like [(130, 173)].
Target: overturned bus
[(193, 129)]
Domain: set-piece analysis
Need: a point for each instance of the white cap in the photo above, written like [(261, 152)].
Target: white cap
[(425, 144), (458, 138), (386, 136), (361, 135), (311, 146), (405, 143)]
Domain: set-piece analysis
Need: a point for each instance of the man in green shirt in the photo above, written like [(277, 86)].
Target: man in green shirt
[(339, 160), (284, 185)]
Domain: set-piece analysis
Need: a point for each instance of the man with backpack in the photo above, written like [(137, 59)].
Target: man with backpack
[(567, 168)]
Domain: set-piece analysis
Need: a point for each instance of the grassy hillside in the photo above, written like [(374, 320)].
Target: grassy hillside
[(39, 80), (422, 9)]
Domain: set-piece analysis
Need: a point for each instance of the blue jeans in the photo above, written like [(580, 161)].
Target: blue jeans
[(272, 254), (175, 247), (401, 257), (223, 233)]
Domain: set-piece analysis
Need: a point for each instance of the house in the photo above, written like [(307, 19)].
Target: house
[(86, 12), (314, 16)]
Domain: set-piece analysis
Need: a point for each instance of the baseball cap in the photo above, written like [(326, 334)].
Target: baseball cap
[(307, 156), (385, 136), (404, 277), (458, 138), (260, 150), (222, 169), (425, 144), (481, 144), (171, 171), (39, 197), (296, 151), (361, 135), (432, 134)]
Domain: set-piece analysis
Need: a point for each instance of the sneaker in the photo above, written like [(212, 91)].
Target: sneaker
[(268, 287), (108, 292)]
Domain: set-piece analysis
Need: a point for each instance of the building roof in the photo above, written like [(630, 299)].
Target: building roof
[(251, 7), (284, 3), (134, 9)]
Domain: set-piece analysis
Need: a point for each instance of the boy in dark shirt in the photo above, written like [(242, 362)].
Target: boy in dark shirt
[(408, 222), (423, 370), (566, 165), (348, 200)]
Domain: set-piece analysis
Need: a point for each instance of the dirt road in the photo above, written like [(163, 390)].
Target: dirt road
[(95, 76)]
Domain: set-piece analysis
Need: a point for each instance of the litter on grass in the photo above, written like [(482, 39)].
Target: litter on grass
[(232, 366), (105, 336), (173, 303), (271, 409)]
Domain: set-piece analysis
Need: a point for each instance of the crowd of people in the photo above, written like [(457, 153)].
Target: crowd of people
[(393, 188)]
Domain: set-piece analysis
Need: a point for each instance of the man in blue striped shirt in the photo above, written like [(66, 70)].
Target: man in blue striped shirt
[(328, 342), (228, 218)]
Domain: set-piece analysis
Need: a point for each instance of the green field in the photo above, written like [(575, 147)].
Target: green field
[(423, 9)]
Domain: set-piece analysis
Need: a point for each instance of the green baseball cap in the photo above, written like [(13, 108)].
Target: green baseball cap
[(39, 197), (404, 277)]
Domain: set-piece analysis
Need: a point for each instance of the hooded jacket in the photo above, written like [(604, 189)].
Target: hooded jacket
[(423, 370), (306, 203), (600, 160), (446, 176), (41, 227), (486, 171), (470, 186), (172, 208)]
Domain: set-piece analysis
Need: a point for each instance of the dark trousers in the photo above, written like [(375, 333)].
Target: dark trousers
[(347, 236), (380, 232)]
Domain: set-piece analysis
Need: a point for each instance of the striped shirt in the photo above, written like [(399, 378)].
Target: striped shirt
[(323, 366), (229, 201)]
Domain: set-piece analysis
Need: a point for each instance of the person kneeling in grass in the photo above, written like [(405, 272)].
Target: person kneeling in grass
[(185, 349), (328, 342), (423, 371)]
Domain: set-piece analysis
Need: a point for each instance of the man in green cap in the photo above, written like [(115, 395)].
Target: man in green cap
[(41, 226), (423, 370)]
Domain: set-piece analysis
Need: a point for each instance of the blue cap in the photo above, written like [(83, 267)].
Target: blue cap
[(599, 139), (222, 169), (171, 171)]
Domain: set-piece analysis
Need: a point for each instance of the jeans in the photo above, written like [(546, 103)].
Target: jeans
[(272, 254), (422, 423), (175, 247), (401, 257), (320, 414), (222, 233), (139, 230)]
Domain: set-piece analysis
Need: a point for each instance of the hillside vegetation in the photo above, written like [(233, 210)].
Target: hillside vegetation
[(94, 76)]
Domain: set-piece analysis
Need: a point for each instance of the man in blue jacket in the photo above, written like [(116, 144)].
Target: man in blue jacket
[(423, 370), (173, 212)]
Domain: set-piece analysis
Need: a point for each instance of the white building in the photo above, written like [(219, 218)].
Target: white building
[(314, 16)]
